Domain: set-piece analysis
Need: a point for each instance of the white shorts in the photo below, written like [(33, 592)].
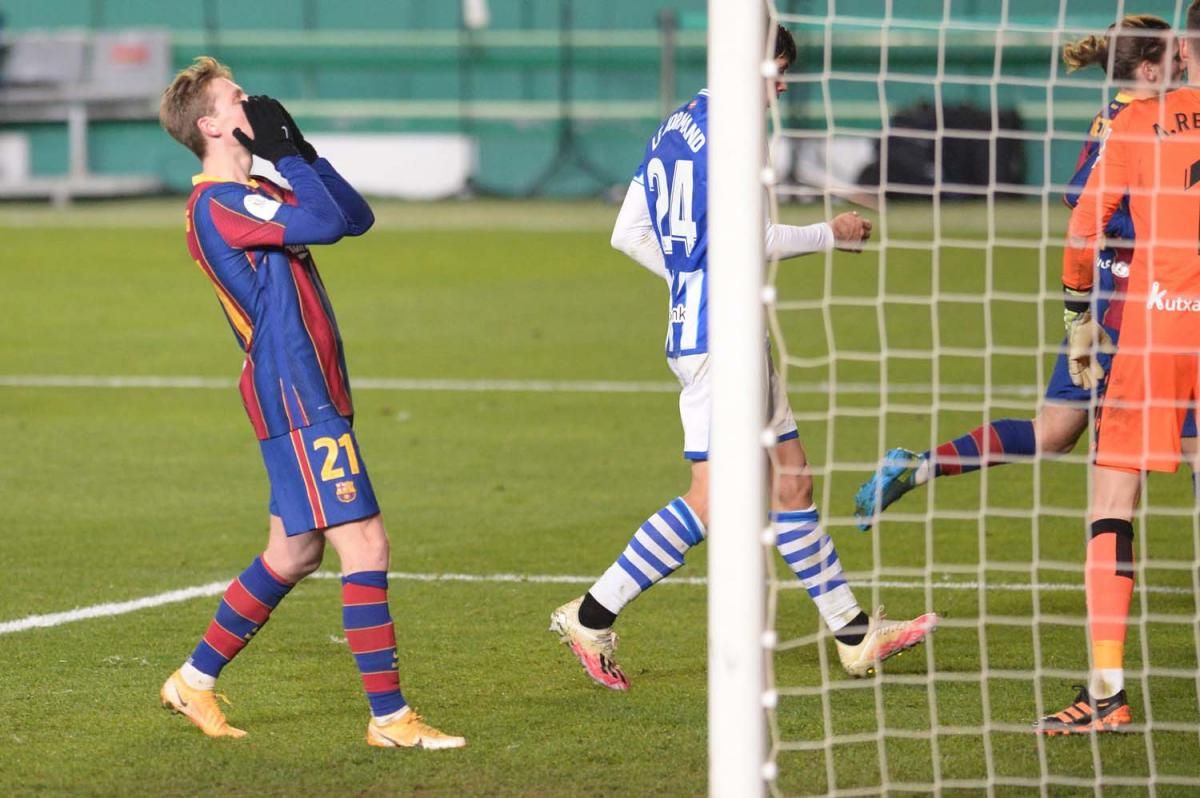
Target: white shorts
[(695, 404)]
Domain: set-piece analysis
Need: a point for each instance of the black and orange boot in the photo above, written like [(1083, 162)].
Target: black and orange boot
[(1087, 714)]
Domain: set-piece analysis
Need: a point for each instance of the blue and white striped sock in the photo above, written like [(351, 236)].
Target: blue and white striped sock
[(655, 551), (811, 555)]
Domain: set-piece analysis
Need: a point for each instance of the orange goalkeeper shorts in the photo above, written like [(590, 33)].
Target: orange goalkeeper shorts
[(1147, 399)]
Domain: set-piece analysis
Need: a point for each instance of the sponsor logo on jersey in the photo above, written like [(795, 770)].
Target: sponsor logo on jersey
[(1177, 304), (678, 314), (345, 491), (261, 207), (1119, 268)]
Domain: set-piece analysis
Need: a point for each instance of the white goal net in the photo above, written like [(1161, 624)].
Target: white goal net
[(957, 121)]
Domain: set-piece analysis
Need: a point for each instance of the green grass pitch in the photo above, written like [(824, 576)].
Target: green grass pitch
[(113, 494)]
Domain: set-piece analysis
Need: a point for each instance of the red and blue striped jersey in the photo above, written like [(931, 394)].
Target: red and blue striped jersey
[(251, 241)]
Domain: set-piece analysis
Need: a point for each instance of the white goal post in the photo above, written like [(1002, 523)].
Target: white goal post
[(959, 124), (737, 570)]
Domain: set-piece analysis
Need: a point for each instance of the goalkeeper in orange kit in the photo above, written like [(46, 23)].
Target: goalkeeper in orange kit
[(1153, 153)]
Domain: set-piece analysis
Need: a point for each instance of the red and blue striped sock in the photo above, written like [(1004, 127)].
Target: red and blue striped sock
[(372, 639), (992, 444), (243, 610)]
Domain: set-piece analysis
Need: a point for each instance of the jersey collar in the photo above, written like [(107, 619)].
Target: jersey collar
[(203, 178)]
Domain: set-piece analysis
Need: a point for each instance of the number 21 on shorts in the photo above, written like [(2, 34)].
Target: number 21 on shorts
[(332, 447)]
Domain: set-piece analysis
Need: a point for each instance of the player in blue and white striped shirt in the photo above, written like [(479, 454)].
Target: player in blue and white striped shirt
[(663, 226)]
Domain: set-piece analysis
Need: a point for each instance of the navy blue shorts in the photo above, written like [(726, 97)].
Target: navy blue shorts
[(1061, 389), (318, 478)]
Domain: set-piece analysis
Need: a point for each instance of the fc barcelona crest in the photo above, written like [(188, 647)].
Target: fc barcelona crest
[(346, 492)]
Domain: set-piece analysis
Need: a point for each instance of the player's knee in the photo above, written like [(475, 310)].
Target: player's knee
[(378, 548), (1057, 443), (293, 565), (793, 492), (361, 545), (1056, 432), (306, 566), (1115, 493)]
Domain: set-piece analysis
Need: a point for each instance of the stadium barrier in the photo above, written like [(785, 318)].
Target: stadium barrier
[(74, 78), (552, 111)]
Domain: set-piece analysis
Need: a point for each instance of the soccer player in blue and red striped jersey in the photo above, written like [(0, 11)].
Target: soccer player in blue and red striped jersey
[(250, 238), (1134, 60)]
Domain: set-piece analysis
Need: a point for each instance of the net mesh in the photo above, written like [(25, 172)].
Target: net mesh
[(957, 125)]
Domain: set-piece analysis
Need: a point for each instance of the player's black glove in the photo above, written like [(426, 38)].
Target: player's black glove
[(272, 137), (307, 151)]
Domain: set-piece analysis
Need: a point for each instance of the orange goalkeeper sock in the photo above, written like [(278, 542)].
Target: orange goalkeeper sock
[(1108, 577)]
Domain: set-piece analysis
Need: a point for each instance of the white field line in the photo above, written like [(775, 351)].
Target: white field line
[(111, 609), (517, 386)]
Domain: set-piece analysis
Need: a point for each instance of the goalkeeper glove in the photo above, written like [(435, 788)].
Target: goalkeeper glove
[(272, 138), (307, 151), (1085, 339)]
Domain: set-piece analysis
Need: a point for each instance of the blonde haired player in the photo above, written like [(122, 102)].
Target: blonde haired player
[(250, 238)]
